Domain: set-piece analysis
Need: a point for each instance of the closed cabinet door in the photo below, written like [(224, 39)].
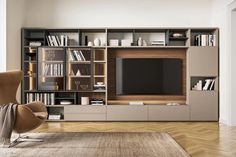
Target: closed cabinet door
[(203, 61), (204, 105)]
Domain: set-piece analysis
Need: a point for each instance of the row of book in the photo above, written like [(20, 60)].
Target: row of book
[(46, 98), (208, 85), (205, 40), (76, 56), (53, 70), (53, 40)]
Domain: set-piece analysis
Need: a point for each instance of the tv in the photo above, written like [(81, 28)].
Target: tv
[(148, 76)]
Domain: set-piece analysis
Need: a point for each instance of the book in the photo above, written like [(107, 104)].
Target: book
[(207, 84), (62, 40), (54, 40), (50, 40), (58, 41), (82, 56), (212, 85)]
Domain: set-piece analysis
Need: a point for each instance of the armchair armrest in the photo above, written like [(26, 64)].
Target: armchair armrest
[(37, 106)]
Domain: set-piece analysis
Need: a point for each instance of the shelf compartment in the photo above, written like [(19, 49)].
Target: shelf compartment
[(150, 35), (89, 35), (206, 32), (71, 34), (79, 84), (201, 83), (120, 34)]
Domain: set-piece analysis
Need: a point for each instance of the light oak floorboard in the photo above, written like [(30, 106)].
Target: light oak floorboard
[(199, 139)]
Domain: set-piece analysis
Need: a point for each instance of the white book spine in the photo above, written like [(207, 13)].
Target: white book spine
[(50, 40), (54, 40), (62, 40), (66, 40), (208, 82), (81, 54)]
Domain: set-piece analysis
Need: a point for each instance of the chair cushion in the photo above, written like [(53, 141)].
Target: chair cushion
[(41, 115)]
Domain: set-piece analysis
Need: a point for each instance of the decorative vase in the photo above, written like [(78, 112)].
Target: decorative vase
[(144, 43), (140, 41), (97, 42)]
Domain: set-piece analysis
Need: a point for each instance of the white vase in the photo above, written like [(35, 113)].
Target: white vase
[(140, 41), (97, 42), (144, 43), (84, 100)]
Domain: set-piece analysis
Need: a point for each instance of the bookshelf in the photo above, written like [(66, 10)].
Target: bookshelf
[(63, 65)]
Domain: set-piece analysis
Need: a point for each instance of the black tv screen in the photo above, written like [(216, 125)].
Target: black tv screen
[(149, 76)]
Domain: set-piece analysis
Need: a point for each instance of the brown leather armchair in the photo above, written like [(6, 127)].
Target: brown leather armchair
[(28, 116)]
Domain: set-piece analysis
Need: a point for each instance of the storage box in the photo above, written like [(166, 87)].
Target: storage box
[(125, 42), (114, 42)]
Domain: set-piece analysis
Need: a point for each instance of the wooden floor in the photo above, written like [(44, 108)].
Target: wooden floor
[(199, 139)]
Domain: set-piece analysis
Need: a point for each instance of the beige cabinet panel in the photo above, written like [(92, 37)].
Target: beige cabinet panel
[(203, 61), (84, 109), (127, 113), (204, 105), (168, 113), (84, 117)]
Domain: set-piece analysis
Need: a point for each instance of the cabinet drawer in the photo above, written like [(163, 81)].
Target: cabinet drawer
[(126, 113), (168, 113), (85, 117), (84, 109)]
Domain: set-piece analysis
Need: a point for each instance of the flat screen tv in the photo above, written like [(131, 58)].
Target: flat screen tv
[(148, 76)]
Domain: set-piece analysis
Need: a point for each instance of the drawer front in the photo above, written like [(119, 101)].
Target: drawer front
[(84, 109), (126, 113), (85, 117), (168, 113)]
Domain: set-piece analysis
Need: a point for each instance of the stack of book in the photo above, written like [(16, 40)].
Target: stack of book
[(76, 56), (205, 40), (53, 70), (46, 98), (99, 86), (35, 43), (54, 116), (158, 43), (97, 102), (53, 40)]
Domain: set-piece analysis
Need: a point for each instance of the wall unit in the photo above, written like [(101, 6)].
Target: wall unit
[(63, 65)]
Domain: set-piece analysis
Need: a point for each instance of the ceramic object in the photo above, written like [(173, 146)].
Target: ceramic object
[(84, 100), (140, 41), (144, 43), (90, 43), (97, 42)]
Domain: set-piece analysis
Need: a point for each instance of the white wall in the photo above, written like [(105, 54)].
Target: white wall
[(220, 19), (118, 13), (3, 24), (15, 21)]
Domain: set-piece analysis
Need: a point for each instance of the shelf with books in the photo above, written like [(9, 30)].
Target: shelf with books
[(199, 83), (62, 37), (204, 37)]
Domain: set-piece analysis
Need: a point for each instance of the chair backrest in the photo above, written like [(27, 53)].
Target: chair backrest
[(9, 83)]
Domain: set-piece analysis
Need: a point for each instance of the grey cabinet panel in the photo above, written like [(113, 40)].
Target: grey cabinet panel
[(204, 105), (84, 117), (127, 113), (168, 113), (84, 109), (203, 61)]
